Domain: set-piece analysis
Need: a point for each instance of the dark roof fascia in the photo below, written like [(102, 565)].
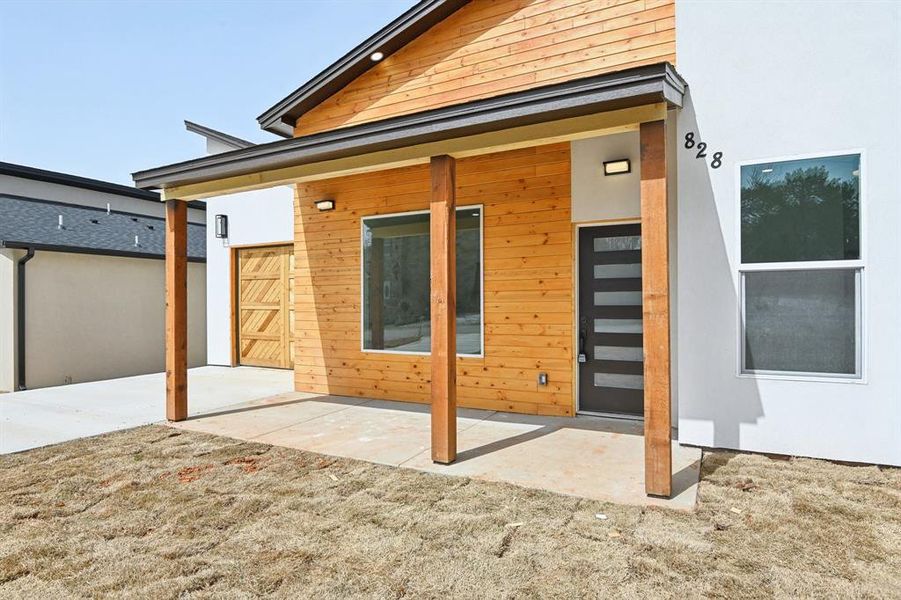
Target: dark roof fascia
[(94, 251), (633, 87), (94, 185), (228, 140), (280, 118)]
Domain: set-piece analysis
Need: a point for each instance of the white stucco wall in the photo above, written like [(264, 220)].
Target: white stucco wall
[(42, 190), (596, 197), (775, 80), (92, 317), (259, 217)]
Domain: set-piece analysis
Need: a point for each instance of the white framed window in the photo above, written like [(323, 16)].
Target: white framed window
[(395, 306), (801, 267)]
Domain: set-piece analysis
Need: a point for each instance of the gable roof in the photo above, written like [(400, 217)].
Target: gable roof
[(33, 223), (281, 117), (235, 143), (94, 185)]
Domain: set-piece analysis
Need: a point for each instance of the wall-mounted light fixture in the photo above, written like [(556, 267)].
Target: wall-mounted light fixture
[(324, 205), (221, 226), (617, 167)]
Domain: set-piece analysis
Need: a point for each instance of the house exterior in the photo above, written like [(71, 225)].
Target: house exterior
[(678, 212), (81, 280), (260, 224)]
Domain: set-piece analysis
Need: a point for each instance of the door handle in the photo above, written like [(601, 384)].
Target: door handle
[(583, 335)]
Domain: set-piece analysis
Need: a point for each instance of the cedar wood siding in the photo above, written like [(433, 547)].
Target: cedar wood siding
[(528, 286), (493, 47)]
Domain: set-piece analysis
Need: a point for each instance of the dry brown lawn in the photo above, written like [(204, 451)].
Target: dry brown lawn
[(160, 513)]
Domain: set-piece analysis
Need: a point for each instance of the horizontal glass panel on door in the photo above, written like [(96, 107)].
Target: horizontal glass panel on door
[(396, 306)]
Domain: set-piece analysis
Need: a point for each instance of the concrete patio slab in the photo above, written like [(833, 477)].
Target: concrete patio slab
[(40, 417), (587, 456), (389, 433), (590, 457), (257, 418)]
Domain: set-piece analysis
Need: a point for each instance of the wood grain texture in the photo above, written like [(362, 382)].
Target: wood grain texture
[(655, 311), (443, 299), (493, 47), (265, 290), (233, 305), (176, 310), (528, 312)]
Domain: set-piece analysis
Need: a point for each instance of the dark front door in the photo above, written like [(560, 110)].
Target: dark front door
[(611, 359)]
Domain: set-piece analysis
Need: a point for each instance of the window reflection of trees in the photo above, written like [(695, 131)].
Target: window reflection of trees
[(805, 215)]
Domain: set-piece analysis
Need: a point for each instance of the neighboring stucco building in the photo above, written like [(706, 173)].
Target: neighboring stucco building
[(686, 214), (90, 255)]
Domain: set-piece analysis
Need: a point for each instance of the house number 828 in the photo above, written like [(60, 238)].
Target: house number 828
[(717, 158)]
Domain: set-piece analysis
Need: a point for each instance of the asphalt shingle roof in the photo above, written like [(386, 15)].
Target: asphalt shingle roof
[(24, 221)]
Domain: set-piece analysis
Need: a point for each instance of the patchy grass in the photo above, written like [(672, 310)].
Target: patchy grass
[(156, 512)]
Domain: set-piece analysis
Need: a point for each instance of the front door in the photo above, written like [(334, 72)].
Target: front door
[(266, 306), (611, 359)]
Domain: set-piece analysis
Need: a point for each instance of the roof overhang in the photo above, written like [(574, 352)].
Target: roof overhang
[(85, 183), (555, 111), (280, 118), (222, 138)]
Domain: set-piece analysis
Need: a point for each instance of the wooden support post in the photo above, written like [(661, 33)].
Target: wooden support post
[(443, 235), (176, 310), (655, 300)]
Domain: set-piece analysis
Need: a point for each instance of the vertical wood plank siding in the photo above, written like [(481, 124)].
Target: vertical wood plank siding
[(488, 48), (528, 310)]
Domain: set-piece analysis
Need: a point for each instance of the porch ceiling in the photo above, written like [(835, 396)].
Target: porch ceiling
[(569, 110)]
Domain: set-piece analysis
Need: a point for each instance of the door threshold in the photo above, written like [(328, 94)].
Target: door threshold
[(619, 416)]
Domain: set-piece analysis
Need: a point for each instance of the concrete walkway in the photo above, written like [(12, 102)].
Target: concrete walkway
[(585, 456), (51, 415)]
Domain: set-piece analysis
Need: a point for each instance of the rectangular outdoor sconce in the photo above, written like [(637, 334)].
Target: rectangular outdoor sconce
[(221, 226), (325, 205), (617, 167)]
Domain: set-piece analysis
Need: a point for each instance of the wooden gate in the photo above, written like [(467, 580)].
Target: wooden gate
[(265, 293)]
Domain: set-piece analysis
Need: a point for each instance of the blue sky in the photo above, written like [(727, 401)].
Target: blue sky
[(101, 89)]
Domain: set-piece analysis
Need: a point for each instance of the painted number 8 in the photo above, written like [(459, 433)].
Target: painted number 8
[(690, 139), (717, 160)]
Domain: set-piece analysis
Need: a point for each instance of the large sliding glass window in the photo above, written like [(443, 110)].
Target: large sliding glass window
[(801, 267), (396, 308)]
